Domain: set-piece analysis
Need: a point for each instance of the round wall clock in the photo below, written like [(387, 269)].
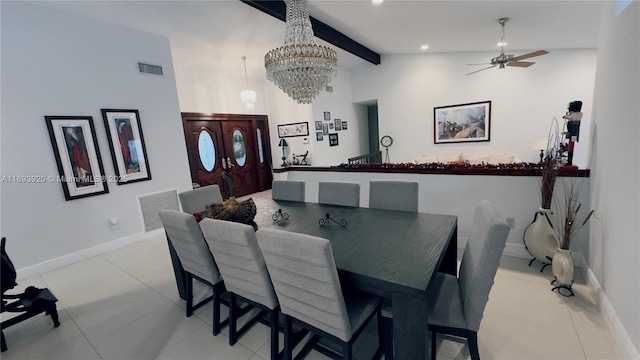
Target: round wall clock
[(386, 141)]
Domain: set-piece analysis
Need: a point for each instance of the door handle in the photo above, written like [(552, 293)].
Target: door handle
[(229, 163)]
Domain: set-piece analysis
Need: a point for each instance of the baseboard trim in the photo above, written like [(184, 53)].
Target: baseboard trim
[(619, 333), (37, 269)]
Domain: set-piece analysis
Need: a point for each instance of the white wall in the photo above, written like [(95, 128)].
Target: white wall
[(54, 63), (203, 88), (524, 101), (340, 106), (615, 194)]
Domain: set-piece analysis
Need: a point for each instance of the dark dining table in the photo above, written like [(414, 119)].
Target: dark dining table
[(393, 254)]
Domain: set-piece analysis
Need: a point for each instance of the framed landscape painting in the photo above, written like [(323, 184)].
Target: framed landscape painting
[(462, 123), (75, 148), (126, 143)]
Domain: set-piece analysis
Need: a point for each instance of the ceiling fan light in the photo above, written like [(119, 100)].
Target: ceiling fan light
[(502, 43)]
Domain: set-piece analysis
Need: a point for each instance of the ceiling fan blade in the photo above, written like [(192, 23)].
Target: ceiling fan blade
[(520, 63), (530, 55), (480, 64), (480, 70)]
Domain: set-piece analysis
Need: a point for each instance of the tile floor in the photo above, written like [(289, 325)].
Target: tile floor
[(124, 305)]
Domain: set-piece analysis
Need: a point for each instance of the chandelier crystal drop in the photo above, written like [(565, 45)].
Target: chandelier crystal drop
[(300, 67)]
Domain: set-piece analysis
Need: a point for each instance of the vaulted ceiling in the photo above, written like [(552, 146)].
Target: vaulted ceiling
[(220, 32)]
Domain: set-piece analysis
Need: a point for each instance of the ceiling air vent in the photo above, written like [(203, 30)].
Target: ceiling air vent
[(150, 69), (328, 88)]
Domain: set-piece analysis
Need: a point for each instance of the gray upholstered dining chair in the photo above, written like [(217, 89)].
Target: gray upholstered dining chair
[(456, 305), (287, 190), (245, 275), (305, 279), (184, 234), (196, 200), (393, 195), (339, 193)]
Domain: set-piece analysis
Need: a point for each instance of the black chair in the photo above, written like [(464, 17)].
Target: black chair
[(31, 302)]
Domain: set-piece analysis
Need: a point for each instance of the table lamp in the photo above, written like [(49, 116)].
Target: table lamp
[(283, 144), (540, 144)]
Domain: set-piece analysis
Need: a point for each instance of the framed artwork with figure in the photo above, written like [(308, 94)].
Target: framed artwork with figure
[(77, 154), (126, 143)]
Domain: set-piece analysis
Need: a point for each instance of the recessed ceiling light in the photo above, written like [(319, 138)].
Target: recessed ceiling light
[(377, 2), (424, 47)]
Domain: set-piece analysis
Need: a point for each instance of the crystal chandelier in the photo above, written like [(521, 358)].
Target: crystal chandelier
[(248, 97), (300, 67)]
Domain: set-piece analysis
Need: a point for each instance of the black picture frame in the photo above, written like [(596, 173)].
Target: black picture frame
[(126, 144), (293, 129), (319, 136), (462, 123), (319, 125), (333, 139), (77, 154)]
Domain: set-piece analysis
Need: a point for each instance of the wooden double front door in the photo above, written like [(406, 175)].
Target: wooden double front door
[(237, 144)]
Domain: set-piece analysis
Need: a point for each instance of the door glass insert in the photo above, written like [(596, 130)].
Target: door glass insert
[(206, 150), (239, 149), (259, 136)]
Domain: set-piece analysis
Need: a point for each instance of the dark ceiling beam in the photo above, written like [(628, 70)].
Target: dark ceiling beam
[(321, 30)]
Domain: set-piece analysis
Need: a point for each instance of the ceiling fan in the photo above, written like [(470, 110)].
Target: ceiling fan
[(503, 59)]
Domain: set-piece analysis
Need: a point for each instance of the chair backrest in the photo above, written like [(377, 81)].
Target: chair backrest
[(186, 237), (305, 278), (196, 200), (480, 261), (393, 195), (287, 190), (240, 260), (339, 193)]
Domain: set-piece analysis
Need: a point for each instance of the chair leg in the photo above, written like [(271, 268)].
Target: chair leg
[(4, 343), (433, 345), (472, 341), (217, 325), (288, 334), (233, 334), (387, 337), (347, 353), (189, 289), (275, 332)]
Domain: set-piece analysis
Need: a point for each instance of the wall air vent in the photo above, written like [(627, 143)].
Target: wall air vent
[(150, 69), (328, 88)]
